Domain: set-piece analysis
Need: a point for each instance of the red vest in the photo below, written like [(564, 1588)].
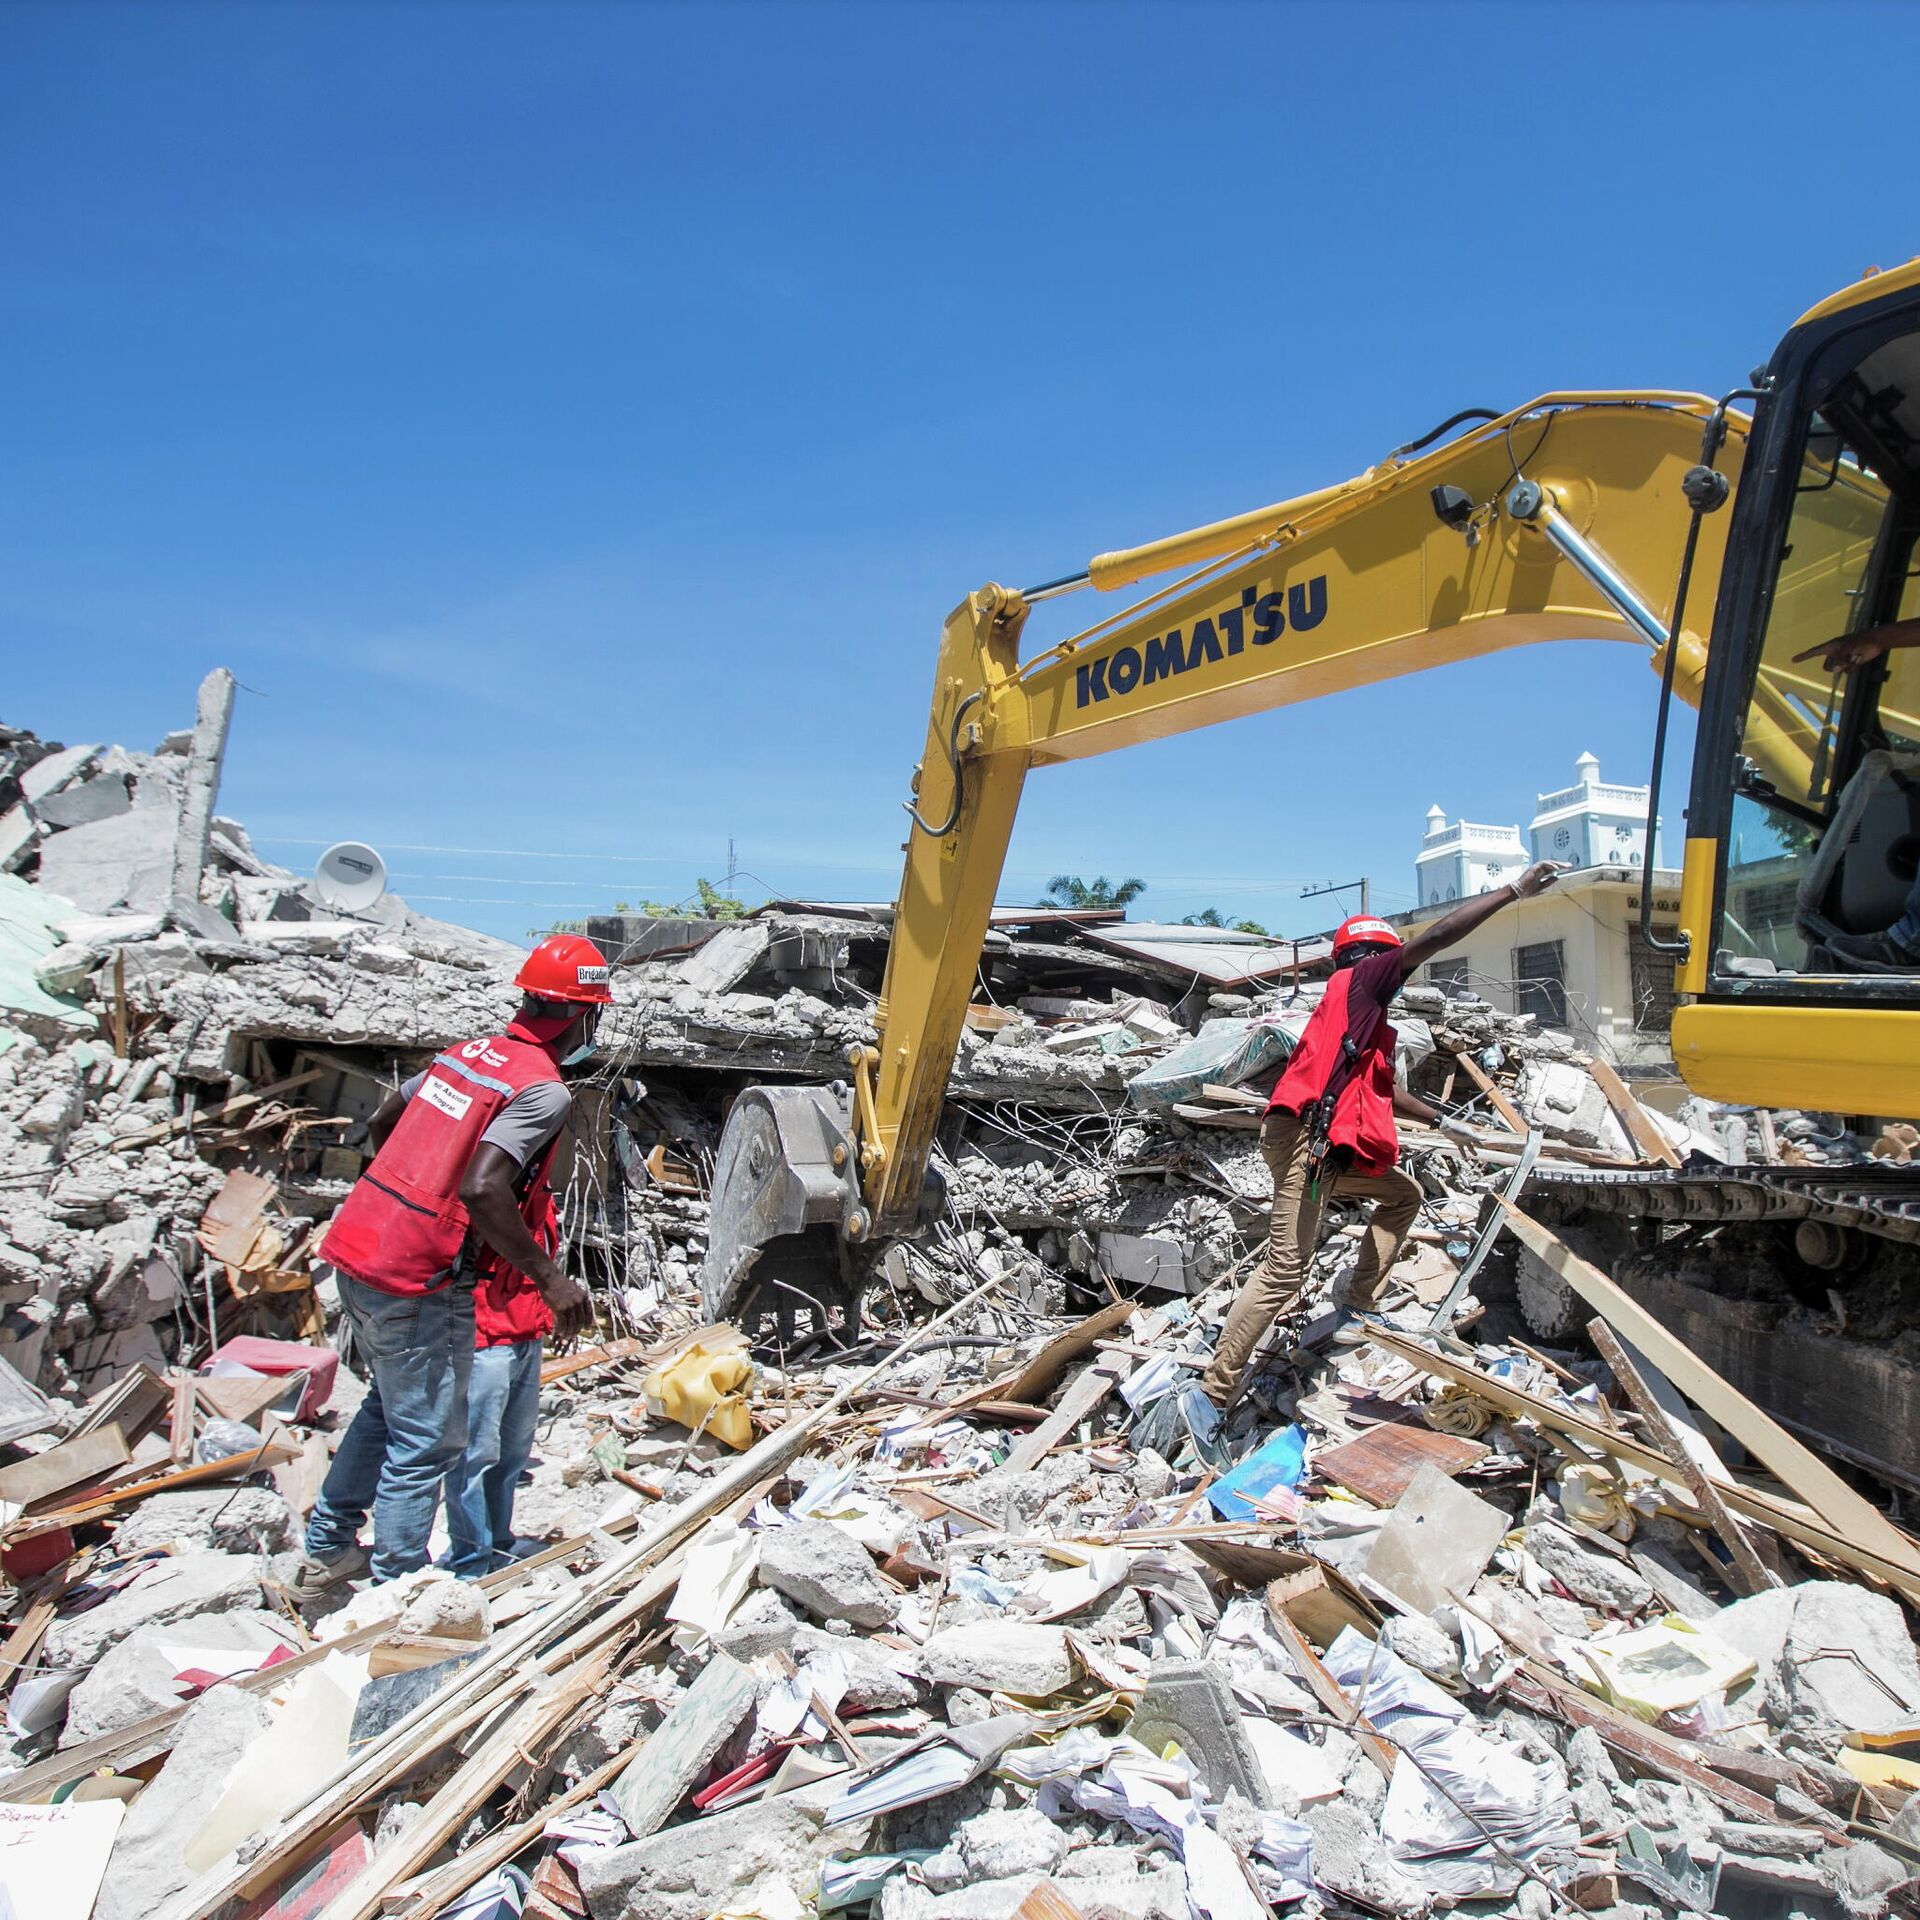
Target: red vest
[(1363, 1114), (403, 1225), (507, 1306)]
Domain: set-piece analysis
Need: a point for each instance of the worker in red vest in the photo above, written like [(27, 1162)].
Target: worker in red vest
[(1329, 1127), (511, 1319), (455, 1190)]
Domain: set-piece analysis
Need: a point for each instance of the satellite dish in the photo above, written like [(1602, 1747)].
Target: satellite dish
[(350, 877)]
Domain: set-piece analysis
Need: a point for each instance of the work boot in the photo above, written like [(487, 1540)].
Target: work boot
[(1873, 950), (312, 1576)]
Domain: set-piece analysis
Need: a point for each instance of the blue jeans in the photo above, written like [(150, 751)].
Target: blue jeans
[(417, 1351), (1905, 932), (503, 1407)]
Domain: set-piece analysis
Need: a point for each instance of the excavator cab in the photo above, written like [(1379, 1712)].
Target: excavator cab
[(1804, 815)]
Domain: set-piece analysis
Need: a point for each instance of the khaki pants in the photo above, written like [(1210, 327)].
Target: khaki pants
[(1291, 1242)]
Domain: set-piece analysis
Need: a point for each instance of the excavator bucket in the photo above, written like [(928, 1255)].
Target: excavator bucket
[(784, 1181)]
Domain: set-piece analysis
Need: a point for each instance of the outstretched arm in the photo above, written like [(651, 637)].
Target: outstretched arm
[(1848, 650), (1469, 914)]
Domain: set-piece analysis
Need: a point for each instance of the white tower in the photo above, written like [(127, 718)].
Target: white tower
[(1463, 859), (1591, 824)]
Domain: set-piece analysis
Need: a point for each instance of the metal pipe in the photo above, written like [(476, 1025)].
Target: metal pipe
[(1053, 589), (1532, 505)]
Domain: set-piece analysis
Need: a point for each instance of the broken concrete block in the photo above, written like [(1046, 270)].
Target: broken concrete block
[(665, 1770), (148, 1866), (997, 1845), (1436, 1543), (1597, 1578), (171, 1590), (714, 1865), (879, 1679), (1191, 1702), (827, 1571), (58, 769), (1143, 1260), (80, 806), (1833, 1658), (126, 861), (1158, 1894), (237, 1520), (999, 1657), (138, 1677)]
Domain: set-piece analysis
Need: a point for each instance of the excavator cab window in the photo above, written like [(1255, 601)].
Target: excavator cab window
[(1823, 838)]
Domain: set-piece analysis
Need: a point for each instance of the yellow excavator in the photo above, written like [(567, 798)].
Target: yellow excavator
[(1725, 537)]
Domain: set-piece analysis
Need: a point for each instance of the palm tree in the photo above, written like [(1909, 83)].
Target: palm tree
[(1069, 890), (1213, 917)]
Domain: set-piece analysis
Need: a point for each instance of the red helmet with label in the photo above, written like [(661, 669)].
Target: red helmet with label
[(566, 967), (1364, 930)]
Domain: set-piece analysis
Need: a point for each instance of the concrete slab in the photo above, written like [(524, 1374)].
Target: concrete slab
[(122, 862), (1189, 1701), (79, 806), (57, 770), (1436, 1543), (668, 1768)]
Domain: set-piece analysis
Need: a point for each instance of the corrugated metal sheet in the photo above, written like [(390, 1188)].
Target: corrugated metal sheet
[(1216, 955)]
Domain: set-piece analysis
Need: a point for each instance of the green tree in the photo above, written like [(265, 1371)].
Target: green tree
[(1213, 917), (1069, 890)]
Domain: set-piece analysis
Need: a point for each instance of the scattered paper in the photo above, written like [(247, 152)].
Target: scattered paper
[(52, 1859)]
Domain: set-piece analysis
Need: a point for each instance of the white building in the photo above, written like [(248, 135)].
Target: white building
[(1463, 859), (1591, 824), (1573, 956)]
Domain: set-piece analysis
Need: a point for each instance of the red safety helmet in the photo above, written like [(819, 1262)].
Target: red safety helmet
[(565, 967), (1364, 930)]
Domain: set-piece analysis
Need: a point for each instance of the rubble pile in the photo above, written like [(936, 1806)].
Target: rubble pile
[(964, 1610)]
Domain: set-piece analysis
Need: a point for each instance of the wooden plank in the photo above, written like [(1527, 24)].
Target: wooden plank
[(1798, 1466), (42, 1475), (1035, 1380), (1628, 1111), (180, 1419), (444, 1885), (1646, 1746), (461, 1797), (1046, 1902), (269, 1453), (1084, 1392), (1234, 1097), (1328, 1691), (1497, 1100), (1785, 1517), (207, 1116), (1750, 1575), (1230, 1117), (1320, 1605), (1379, 1464)]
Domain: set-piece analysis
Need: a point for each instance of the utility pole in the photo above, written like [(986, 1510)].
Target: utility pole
[(1343, 886)]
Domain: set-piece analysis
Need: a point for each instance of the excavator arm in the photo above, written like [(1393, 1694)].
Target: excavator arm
[(1564, 520)]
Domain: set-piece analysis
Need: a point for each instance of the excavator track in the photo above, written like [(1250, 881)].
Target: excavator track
[(1800, 1285)]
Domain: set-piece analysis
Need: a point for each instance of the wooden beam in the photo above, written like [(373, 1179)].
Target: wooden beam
[(42, 1475), (1901, 1571), (207, 1116), (1798, 1466), (1631, 1115), (1751, 1575), (1328, 1691), (1495, 1098)]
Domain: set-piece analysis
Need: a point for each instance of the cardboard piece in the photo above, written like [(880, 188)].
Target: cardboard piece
[(1437, 1542)]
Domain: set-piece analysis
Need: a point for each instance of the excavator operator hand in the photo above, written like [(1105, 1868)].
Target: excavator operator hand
[(1845, 651)]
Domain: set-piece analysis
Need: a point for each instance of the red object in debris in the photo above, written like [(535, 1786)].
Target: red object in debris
[(197, 1680), (28, 1559), (319, 1364), (744, 1775)]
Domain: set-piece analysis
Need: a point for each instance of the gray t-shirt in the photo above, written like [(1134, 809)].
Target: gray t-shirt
[(526, 1123)]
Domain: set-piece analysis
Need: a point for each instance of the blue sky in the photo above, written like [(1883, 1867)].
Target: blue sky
[(572, 423)]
